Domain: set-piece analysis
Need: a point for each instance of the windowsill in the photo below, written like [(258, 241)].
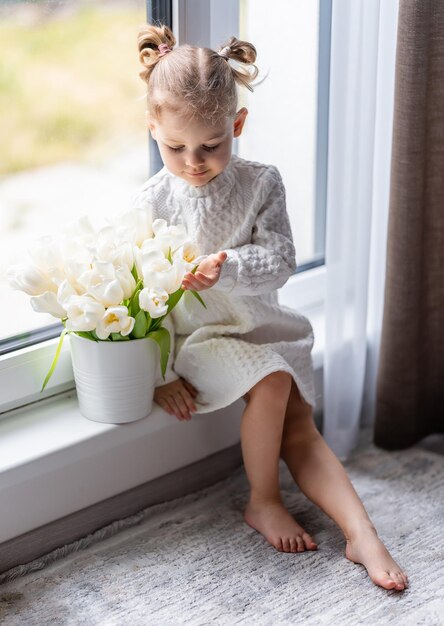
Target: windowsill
[(54, 462)]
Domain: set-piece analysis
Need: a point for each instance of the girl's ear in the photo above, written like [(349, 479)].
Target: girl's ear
[(239, 121)]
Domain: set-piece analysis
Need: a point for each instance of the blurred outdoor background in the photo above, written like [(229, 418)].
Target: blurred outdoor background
[(72, 125)]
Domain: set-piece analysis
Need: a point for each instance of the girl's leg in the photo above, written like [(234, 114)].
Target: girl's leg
[(322, 478), (261, 437)]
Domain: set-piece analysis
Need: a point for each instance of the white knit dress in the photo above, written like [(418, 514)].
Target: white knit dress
[(243, 334)]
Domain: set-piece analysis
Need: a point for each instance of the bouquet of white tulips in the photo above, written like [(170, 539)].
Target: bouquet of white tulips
[(113, 284)]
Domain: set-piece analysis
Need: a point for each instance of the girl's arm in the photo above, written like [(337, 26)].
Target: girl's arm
[(269, 260)]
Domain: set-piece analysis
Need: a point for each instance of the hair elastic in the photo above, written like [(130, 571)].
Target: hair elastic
[(224, 52), (163, 49)]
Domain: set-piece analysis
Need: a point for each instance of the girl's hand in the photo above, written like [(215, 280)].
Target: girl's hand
[(177, 398), (207, 273)]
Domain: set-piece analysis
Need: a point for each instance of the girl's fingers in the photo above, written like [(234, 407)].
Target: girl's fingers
[(164, 404), (203, 279), (180, 407), (193, 391), (189, 402), (196, 284), (190, 281), (199, 280)]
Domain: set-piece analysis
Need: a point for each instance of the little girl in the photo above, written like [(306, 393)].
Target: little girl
[(244, 344)]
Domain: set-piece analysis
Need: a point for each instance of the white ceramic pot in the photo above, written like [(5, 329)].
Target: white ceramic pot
[(114, 379)]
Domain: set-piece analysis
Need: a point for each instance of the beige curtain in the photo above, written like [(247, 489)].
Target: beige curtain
[(410, 389)]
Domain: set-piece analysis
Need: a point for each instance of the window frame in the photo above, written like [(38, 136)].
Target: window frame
[(205, 22)]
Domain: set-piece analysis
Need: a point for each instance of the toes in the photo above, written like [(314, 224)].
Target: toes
[(311, 545), (391, 580), (399, 580), (286, 544), (386, 580), (294, 544), (278, 545), (301, 546)]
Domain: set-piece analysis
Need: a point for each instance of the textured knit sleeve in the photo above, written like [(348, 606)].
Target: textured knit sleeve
[(269, 260)]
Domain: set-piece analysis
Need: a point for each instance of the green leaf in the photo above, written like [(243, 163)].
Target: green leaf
[(156, 323), (140, 327), (163, 339), (134, 273), (119, 337), (174, 299), (133, 305), (85, 335), (169, 256), (196, 295), (54, 362), (149, 322)]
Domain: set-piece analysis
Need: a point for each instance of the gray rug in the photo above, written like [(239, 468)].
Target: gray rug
[(193, 561)]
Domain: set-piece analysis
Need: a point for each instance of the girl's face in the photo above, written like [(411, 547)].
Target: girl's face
[(194, 150)]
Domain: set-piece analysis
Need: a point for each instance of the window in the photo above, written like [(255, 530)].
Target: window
[(287, 121), (75, 138)]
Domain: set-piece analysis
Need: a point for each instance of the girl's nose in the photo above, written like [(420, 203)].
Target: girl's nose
[(194, 159)]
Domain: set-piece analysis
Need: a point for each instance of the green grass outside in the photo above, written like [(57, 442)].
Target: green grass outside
[(69, 87)]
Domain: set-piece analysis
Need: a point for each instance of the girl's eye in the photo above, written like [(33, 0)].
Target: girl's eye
[(175, 149), (211, 148)]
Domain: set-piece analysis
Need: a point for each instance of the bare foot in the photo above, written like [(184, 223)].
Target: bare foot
[(176, 398), (278, 527), (366, 548)]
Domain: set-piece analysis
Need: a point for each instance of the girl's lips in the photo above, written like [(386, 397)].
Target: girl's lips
[(196, 173)]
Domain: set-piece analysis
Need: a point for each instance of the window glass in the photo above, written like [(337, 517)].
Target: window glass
[(282, 124), (72, 123)]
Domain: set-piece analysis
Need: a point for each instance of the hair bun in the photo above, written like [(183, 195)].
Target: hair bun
[(151, 42), (244, 53)]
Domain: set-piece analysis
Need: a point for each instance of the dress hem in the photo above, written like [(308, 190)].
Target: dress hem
[(307, 397)]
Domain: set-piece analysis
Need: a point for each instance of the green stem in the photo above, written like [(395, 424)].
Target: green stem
[(56, 358)]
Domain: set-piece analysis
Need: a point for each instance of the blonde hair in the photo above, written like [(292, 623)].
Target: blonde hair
[(198, 80)]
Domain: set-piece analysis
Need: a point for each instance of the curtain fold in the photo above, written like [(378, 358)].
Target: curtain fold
[(410, 387), (360, 125)]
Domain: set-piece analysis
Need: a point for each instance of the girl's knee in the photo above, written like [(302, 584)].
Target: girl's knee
[(272, 388)]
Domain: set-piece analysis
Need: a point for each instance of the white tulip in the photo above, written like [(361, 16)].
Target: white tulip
[(126, 280), (154, 301), (65, 291), (114, 245), (46, 254), (115, 320), (108, 292), (165, 275), (169, 237), (72, 271), (189, 252), (83, 313), (146, 256), (47, 303), (136, 225), (30, 279), (102, 283)]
